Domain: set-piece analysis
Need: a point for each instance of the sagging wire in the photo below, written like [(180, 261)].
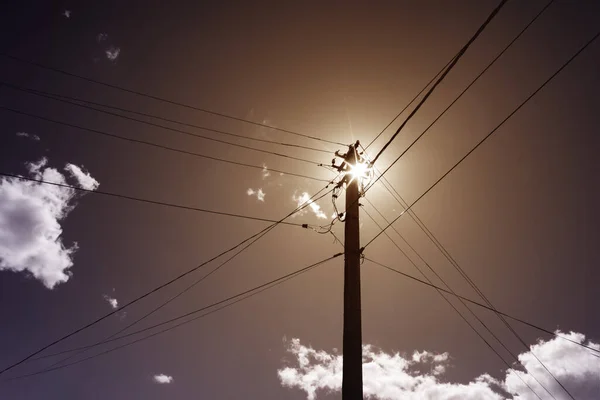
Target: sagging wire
[(334, 196), (325, 229)]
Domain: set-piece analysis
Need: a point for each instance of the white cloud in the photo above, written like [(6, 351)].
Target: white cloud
[(84, 178), (393, 376), (30, 216), (163, 379), (260, 195), (314, 207), (265, 172), (28, 135), (67, 13), (114, 303), (112, 53), (101, 37), (572, 365)]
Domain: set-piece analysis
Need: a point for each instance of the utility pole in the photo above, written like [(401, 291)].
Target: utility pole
[(352, 382)]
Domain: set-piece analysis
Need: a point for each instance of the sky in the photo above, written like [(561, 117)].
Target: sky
[(519, 215)]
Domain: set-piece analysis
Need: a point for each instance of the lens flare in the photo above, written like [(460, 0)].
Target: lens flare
[(359, 171)]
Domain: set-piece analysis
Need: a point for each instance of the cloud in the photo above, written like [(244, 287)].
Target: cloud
[(28, 135), (101, 37), (163, 379), (112, 301), (30, 217), (314, 207), (67, 13), (265, 172), (572, 365), (394, 376), (260, 195), (112, 53), (84, 178)]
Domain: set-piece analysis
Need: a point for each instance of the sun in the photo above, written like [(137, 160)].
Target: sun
[(359, 171)]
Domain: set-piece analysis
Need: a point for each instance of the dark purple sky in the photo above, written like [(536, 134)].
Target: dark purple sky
[(520, 215)]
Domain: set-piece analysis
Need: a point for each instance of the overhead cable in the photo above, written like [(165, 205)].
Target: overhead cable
[(539, 328), (222, 304), (156, 289), (485, 326), (161, 99), (59, 98), (484, 138), (114, 136), (441, 78)]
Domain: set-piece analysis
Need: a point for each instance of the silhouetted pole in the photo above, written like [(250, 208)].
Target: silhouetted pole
[(352, 382)]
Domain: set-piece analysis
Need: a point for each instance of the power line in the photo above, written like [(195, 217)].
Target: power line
[(444, 252), (485, 326), (306, 204), (482, 140), (59, 98), (149, 201), (441, 78), (485, 306), (409, 103), (160, 146), (153, 144), (455, 264), (391, 188), (256, 237), (472, 83), (162, 99), (430, 234), (223, 303), (485, 138), (411, 213)]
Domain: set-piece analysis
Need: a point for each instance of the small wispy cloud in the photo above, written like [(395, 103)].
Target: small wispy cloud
[(112, 301), (163, 379), (67, 13), (260, 195), (112, 53), (303, 199), (101, 37), (265, 172), (85, 180), (28, 135)]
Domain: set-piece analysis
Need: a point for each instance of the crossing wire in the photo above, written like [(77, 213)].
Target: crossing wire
[(161, 99), (222, 303), (460, 161), (483, 140), (156, 289), (66, 100), (255, 238), (418, 220), (485, 326), (441, 78), (386, 183), (410, 102), (594, 352)]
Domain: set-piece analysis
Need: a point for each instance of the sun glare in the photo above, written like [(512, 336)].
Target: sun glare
[(360, 170)]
